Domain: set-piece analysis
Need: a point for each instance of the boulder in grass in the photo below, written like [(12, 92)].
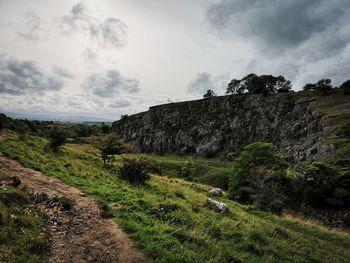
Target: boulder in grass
[(217, 206), (216, 191)]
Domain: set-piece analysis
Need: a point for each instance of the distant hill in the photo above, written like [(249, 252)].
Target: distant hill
[(51, 117)]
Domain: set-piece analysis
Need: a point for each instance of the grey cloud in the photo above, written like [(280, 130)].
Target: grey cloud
[(33, 27), (204, 81), (280, 25), (110, 83), (111, 31), (20, 77), (120, 104), (90, 56), (62, 72)]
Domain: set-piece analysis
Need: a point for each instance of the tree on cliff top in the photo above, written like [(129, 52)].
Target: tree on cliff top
[(323, 86), (209, 94), (254, 84)]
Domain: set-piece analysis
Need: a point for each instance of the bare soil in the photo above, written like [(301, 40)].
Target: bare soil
[(80, 234)]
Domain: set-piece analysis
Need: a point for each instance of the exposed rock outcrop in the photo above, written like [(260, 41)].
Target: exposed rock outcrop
[(224, 125)]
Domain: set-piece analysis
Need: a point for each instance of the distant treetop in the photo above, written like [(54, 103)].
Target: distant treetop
[(209, 94), (254, 84), (323, 85)]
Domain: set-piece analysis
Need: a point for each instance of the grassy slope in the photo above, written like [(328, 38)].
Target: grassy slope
[(23, 237), (213, 172), (167, 219)]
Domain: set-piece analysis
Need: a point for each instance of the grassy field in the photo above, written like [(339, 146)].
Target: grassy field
[(167, 218), (23, 237)]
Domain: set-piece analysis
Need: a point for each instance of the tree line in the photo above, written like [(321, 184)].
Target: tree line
[(267, 84)]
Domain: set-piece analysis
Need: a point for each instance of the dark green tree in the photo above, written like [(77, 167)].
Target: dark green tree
[(258, 164), (108, 146), (254, 84), (105, 128), (346, 87), (323, 86), (209, 94), (57, 137), (135, 170)]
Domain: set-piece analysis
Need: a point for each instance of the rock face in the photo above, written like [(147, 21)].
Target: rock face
[(224, 125)]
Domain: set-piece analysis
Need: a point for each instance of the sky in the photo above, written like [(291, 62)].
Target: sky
[(106, 58)]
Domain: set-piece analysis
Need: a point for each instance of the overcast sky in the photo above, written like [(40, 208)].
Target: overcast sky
[(104, 58)]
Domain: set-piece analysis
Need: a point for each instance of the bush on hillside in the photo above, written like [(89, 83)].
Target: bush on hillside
[(188, 169), (258, 177), (109, 146), (324, 188), (57, 137), (346, 87), (135, 170)]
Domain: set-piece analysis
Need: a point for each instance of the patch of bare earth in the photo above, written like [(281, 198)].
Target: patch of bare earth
[(80, 234)]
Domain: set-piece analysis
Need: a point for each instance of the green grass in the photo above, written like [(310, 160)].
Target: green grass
[(23, 237), (167, 218), (214, 172)]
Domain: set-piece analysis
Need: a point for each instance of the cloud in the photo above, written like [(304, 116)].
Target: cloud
[(33, 27), (120, 103), (279, 26), (111, 31), (90, 56), (110, 83), (204, 81), (20, 77), (62, 72)]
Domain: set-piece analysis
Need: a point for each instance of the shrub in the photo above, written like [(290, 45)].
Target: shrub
[(254, 155), (324, 188), (108, 146), (66, 203), (57, 137), (188, 169), (135, 170), (259, 176), (267, 191), (346, 87)]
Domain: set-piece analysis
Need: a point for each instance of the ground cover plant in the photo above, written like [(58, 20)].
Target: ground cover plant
[(23, 236), (167, 219)]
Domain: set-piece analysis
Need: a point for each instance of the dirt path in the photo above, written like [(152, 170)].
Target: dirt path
[(81, 234)]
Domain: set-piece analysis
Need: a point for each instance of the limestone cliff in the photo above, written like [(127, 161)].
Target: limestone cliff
[(224, 125)]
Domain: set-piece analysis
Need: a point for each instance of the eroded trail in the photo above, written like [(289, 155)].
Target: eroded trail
[(81, 234)]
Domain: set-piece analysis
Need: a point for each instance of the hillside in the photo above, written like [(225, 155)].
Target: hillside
[(299, 123), (168, 219)]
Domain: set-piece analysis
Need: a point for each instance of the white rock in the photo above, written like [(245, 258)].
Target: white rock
[(216, 191), (217, 206)]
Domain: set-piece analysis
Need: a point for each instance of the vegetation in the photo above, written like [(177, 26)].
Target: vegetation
[(135, 170), (109, 146), (23, 237), (257, 177), (168, 221), (254, 84), (346, 87), (323, 187), (209, 94), (57, 137), (188, 169), (324, 86)]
